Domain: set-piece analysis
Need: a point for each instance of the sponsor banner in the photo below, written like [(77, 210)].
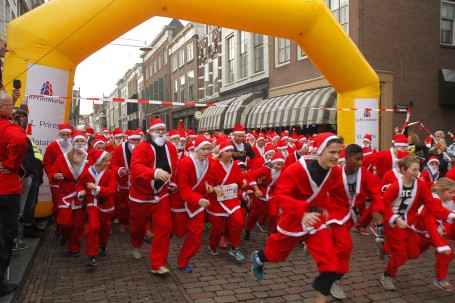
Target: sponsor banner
[(46, 112), (366, 120)]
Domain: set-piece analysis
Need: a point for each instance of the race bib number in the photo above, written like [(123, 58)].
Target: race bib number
[(230, 192)]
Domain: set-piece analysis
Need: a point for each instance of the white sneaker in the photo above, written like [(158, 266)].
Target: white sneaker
[(160, 271), (387, 282), (336, 290), (137, 253)]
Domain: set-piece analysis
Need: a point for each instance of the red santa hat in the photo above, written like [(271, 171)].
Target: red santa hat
[(238, 130), (428, 141), (89, 131), (342, 155), (64, 128), (274, 135), (104, 130), (400, 140), (285, 135), (302, 138), (156, 122), (226, 145), (277, 157), (322, 140), (433, 159), (294, 137), (140, 130), (79, 135), (269, 148), (261, 136), (173, 133), (282, 144), (401, 154), (200, 141), (299, 146), (98, 155), (117, 132), (368, 137), (135, 134), (98, 139)]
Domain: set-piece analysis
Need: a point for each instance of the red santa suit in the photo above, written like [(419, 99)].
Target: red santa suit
[(53, 151), (434, 232), (344, 200), (297, 193), (227, 208), (100, 206), (71, 214), (121, 158), (191, 180), (265, 178), (403, 244), (149, 197)]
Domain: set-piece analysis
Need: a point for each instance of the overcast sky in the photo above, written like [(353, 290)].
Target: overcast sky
[(98, 74)]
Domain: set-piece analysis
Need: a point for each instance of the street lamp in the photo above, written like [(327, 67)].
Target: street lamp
[(144, 47)]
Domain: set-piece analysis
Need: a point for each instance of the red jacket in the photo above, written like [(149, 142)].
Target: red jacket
[(103, 196), (118, 161), (13, 146), (143, 172), (53, 151), (420, 195), (265, 179)]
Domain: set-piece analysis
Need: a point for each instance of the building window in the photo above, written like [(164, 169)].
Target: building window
[(258, 53), (216, 76), (165, 56), (146, 72), (189, 52), (447, 18), (340, 9), (301, 54), (230, 59), (176, 90), (181, 57), (160, 61), (207, 83), (182, 89), (174, 63), (283, 50), (243, 55), (191, 86), (151, 70), (155, 65)]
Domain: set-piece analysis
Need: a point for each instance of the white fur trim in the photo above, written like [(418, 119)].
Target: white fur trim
[(157, 125), (324, 144), (98, 161), (226, 148), (196, 148)]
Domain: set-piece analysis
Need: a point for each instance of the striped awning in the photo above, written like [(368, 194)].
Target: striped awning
[(237, 112), (296, 109), (213, 117)]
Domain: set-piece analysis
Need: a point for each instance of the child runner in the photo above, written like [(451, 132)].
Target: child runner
[(97, 187), (301, 194), (402, 200)]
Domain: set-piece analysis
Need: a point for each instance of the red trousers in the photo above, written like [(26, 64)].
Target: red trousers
[(402, 245), (320, 246), (258, 208), (235, 222), (194, 228), (123, 206), (342, 242), (71, 224), (55, 197), (366, 217), (442, 259), (140, 214), (179, 223), (97, 230)]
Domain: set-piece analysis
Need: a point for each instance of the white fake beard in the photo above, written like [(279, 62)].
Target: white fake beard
[(182, 144), (118, 142), (285, 153), (65, 142), (433, 170), (131, 146), (106, 136), (82, 148), (159, 139)]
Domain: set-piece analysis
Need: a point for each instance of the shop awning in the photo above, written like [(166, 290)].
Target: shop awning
[(213, 117), (295, 109), (238, 110)]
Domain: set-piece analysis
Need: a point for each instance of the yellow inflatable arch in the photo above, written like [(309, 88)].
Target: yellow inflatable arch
[(60, 34)]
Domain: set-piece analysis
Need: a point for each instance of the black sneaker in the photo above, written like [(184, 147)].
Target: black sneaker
[(61, 241), (7, 288), (103, 251), (246, 236), (91, 262), (19, 245), (76, 254)]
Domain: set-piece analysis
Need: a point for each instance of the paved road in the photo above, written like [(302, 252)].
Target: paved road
[(56, 276)]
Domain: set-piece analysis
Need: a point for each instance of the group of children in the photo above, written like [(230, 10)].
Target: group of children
[(302, 197)]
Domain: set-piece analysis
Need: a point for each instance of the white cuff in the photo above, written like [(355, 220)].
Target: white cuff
[(451, 218), (393, 219), (156, 172), (96, 190), (118, 173)]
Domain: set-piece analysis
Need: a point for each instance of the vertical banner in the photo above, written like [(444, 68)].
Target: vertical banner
[(45, 113), (366, 121)]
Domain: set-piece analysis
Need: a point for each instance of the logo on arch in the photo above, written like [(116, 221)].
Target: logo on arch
[(46, 89)]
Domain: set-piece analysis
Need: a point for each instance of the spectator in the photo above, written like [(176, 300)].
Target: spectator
[(13, 144), (3, 51)]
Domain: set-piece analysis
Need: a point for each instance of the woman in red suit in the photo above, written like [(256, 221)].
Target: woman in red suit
[(71, 215)]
